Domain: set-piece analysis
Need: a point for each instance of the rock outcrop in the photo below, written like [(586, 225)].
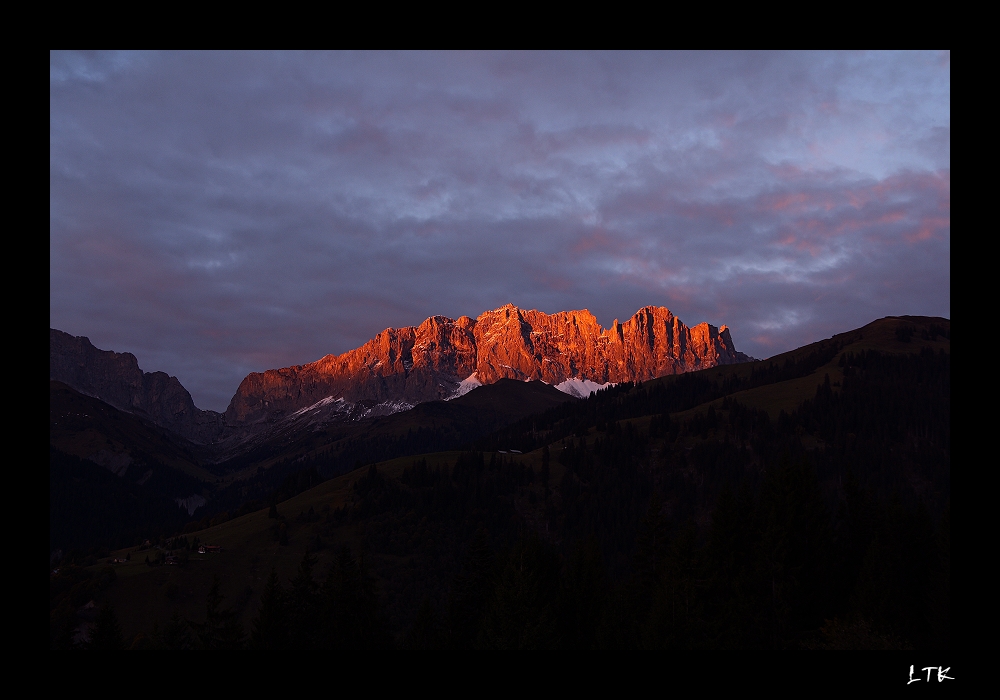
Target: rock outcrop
[(428, 362), (115, 378)]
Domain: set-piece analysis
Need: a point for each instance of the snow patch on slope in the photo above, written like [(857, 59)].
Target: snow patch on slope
[(465, 386), (319, 404), (580, 388), (386, 408)]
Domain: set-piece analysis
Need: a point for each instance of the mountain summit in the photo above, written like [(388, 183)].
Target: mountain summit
[(443, 357)]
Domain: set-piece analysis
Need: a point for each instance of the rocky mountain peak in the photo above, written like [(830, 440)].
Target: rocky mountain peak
[(427, 362), (401, 367), (116, 379)]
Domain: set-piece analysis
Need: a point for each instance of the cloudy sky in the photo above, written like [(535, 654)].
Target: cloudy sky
[(222, 213)]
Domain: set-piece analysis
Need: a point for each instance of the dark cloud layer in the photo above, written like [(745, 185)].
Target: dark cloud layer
[(222, 213)]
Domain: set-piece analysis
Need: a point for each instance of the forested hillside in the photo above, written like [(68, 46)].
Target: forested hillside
[(694, 512)]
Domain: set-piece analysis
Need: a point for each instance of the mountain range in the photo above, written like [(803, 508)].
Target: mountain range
[(440, 359), (802, 501)]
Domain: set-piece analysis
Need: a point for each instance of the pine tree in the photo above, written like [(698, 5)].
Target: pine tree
[(304, 606), (545, 473), (736, 606), (351, 612), (676, 612), (521, 611), (107, 634), (796, 546), (651, 547), (221, 629), (586, 595), (425, 632), (470, 591), (176, 633), (270, 628)]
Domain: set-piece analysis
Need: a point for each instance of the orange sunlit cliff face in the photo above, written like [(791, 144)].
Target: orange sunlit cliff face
[(428, 362)]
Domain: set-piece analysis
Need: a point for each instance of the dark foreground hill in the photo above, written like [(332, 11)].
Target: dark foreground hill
[(800, 502), (126, 460), (114, 477), (430, 426)]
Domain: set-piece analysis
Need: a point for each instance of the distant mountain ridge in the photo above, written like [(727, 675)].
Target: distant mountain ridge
[(115, 378), (432, 361), (401, 367)]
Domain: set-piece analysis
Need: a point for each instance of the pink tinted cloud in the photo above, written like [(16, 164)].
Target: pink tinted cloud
[(915, 206), (767, 340), (931, 227), (598, 239)]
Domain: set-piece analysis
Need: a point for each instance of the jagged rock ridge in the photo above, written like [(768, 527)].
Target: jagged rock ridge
[(428, 362), (115, 378), (401, 367)]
